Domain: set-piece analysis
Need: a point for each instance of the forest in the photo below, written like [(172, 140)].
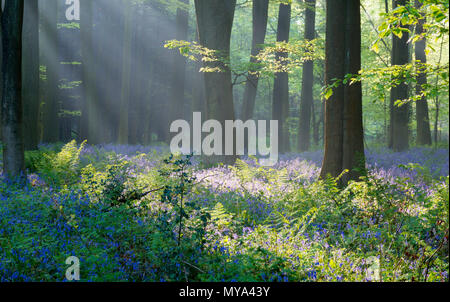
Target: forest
[(224, 140)]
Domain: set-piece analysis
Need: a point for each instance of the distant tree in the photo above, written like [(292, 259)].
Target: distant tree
[(215, 22), (12, 126), (399, 130), (280, 103), (30, 71), (139, 65), (50, 42), (422, 115), (260, 16), (90, 108), (307, 98), (1, 60), (126, 70), (179, 64), (198, 90), (344, 137)]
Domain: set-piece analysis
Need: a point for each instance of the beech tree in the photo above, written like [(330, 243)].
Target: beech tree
[(88, 87), (422, 115), (215, 22), (307, 98), (399, 130), (12, 126), (260, 13), (30, 71), (1, 74), (179, 64), (344, 137), (280, 104), (50, 40), (126, 69)]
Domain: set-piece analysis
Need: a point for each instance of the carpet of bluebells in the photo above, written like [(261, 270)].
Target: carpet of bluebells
[(132, 213)]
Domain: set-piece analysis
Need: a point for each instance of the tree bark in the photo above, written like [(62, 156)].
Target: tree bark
[(126, 63), (422, 114), (280, 105), (50, 42), (12, 126), (88, 127), (353, 144), (1, 60), (179, 66), (334, 106), (343, 134), (260, 16), (30, 71), (215, 22), (399, 130), (306, 103)]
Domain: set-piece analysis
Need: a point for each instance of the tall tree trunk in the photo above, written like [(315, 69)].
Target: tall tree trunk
[(109, 100), (198, 87), (12, 126), (30, 71), (89, 108), (280, 105), (422, 115), (177, 103), (69, 74), (344, 140), (307, 98), (334, 69), (215, 22), (353, 143), (315, 124), (260, 16), (50, 42), (198, 90), (136, 75), (124, 104), (1, 73), (399, 129)]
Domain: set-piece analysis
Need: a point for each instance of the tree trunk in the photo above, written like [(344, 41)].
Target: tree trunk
[(136, 75), (280, 105), (89, 107), (436, 121), (422, 115), (198, 87), (142, 69), (1, 73), (353, 143), (343, 135), (315, 124), (177, 103), (399, 130), (69, 92), (260, 16), (198, 90), (334, 106), (12, 126), (307, 98), (30, 71), (215, 22), (123, 123), (50, 42)]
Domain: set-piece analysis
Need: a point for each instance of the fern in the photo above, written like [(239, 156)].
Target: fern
[(220, 217)]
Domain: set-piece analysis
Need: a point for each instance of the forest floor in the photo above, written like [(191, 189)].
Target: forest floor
[(131, 213)]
